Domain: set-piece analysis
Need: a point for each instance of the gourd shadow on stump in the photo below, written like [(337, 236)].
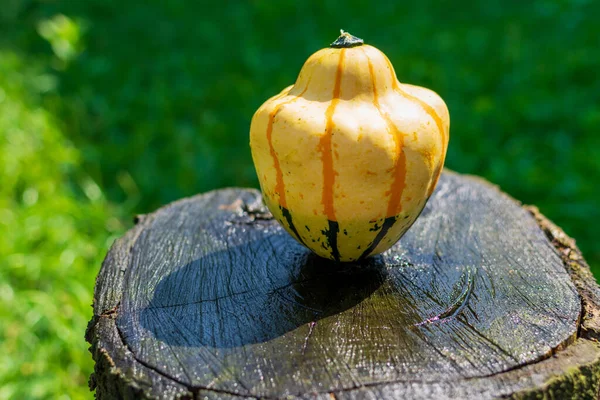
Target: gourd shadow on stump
[(253, 293)]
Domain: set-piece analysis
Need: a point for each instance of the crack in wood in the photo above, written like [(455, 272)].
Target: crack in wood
[(235, 206), (495, 345), (276, 291), (311, 327), (457, 306), (588, 325), (111, 313), (249, 213), (191, 388)]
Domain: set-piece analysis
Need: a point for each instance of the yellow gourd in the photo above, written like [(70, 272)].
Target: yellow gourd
[(348, 156)]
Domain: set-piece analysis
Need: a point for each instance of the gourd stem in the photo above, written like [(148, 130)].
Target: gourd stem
[(346, 40)]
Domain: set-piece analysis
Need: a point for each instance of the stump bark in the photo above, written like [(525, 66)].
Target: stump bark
[(483, 298)]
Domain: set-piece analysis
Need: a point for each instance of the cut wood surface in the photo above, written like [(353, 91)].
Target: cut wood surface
[(482, 298)]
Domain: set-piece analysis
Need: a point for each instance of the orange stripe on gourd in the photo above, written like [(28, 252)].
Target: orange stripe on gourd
[(431, 112), (325, 145), (279, 185), (399, 180)]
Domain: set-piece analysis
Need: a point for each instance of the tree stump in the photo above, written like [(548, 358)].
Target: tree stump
[(483, 298)]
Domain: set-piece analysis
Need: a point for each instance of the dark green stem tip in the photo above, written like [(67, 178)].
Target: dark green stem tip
[(346, 40)]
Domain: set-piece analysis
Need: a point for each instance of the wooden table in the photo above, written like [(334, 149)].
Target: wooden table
[(483, 298)]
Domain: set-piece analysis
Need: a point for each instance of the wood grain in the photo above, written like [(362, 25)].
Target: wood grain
[(203, 298)]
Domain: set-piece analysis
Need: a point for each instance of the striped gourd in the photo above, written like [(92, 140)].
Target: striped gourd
[(348, 156)]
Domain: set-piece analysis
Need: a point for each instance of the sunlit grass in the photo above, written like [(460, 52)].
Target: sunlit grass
[(52, 243)]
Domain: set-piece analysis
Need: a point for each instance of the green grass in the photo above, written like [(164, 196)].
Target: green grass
[(56, 224), (111, 108)]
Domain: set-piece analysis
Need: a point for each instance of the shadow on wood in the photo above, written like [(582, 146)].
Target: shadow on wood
[(254, 302)]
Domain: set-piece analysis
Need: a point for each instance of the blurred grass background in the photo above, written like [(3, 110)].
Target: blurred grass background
[(110, 108)]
